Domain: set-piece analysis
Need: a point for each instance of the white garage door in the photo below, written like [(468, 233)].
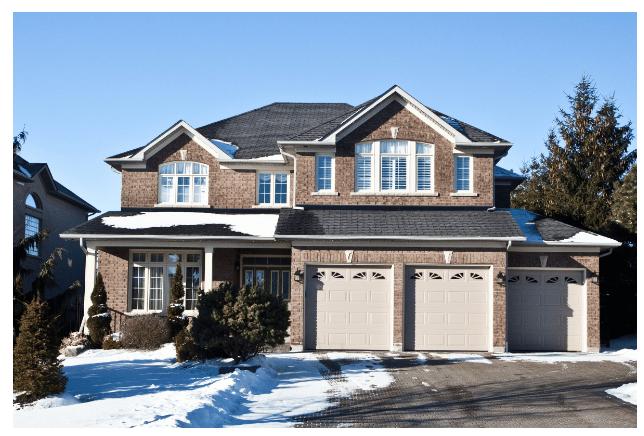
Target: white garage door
[(447, 308), (348, 308), (545, 310)]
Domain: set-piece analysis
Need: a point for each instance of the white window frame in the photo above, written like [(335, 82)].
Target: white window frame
[(175, 185), (471, 178), (371, 171), (317, 158), (167, 283), (272, 196), (407, 159), (433, 169)]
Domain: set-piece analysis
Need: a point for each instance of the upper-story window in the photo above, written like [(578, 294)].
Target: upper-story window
[(33, 224), (183, 182), (324, 172), (390, 166), (463, 173), (272, 189)]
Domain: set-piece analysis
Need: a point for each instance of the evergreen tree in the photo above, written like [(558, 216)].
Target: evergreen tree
[(624, 211), (36, 368), (241, 320), (18, 306), (98, 321), (575, 182), (177, 320)]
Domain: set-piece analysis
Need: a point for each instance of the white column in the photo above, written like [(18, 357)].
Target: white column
[(90, 277), (207, 274)]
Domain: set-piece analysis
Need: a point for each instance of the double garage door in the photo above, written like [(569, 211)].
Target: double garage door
[(351, 308)]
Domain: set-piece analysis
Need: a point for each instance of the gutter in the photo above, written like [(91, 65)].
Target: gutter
[(610, 250), (175, 237), (83, 245)]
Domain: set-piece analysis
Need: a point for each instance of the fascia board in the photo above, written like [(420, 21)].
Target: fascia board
[(22, 177), (398, 238), (277, 166), (305, 143), (568, 244), (483, 144), (164, 237)]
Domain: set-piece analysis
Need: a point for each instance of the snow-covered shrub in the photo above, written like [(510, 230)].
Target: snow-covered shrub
[(145, 332), (109, 343), (243, 321), (99, 319), (73, 340), (177, 320)]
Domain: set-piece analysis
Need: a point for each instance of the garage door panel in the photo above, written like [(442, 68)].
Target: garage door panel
[(356, 304), (553, 325), (447, 309)]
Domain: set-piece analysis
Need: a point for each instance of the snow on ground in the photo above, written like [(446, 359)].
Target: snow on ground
[(627, 392), (124, 388), (421, 357), (621, 356), (261, 225), (462, 357)]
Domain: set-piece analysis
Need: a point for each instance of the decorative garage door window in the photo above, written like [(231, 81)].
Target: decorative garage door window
[(272, 273), (151, 273)]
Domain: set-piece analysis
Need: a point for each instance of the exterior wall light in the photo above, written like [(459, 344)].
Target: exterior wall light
[(595, 279), (298, 275), (500, 279)]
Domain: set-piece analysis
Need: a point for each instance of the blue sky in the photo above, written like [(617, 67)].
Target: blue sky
[(88, 86)]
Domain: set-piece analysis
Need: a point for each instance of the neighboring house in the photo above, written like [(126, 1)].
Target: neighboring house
[(375, 222), (40, 202)]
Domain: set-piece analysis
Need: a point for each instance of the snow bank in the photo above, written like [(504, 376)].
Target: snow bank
[(260, 225), (627, 392), (475, 358), (621, 356), (125, 388)]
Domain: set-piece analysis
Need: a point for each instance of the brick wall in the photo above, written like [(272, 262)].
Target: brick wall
[(502, 195), (57, 216), (411, 128), (398, 258), (587, 261), (226, 188)]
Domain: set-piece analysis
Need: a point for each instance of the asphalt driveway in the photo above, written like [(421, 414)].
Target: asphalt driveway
[(444, 393)]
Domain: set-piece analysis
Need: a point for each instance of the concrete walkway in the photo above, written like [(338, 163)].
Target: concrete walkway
[(443, 393)]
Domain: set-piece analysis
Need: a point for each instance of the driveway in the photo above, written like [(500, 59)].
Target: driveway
[(438, 392)]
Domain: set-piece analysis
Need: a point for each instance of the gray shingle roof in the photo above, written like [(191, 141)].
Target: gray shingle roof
[(400, 223), (502, 173), (256, 132), (473, 133)]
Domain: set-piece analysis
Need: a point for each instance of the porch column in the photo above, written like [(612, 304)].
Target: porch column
[(207, 274), (90, 277)]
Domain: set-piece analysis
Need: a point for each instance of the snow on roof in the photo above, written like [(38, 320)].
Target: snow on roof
[(24, 170), (272, 157), (588, 238), (260, 225), (524, 219), (226, 147)]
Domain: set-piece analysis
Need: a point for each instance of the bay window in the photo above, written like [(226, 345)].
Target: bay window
[(151, 274), (183, 183), (272, 189)]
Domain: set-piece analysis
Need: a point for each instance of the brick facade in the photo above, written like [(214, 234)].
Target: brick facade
[(399, 258), (411, 128), (57, 216), (587, 261)]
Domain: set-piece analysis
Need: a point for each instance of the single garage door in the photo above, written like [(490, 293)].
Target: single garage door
[(447, 308), (348, 308), (545, 310)]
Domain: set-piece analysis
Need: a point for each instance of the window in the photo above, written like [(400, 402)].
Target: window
[(33, 201), (151, 274), (272, 189), (32, 226), (391, 165), (463, 174), (424, 165), (364, 157), (183, 183), (324, 172)]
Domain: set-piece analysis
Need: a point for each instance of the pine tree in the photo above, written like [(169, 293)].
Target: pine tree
[(36, 368), (624, 211), (18, 306), (99, 318), (575, 182), (177, 320)]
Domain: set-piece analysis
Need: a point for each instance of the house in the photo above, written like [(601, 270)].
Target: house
[(40, 202), (386, 226)]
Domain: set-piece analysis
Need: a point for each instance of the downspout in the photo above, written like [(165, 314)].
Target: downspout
[(610, 250), (83, 247), (294, 176), (506, 294)]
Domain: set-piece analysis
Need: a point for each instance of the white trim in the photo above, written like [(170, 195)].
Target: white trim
[(272, 203), (166, 237), (411, 238), (332, 189), (175, 176), (463, 191), (463, 194), (395, 194), (193, 244), (547, 248)]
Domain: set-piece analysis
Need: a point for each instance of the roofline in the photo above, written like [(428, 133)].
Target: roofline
[(23, 177), (484, 144), (411, 237), (183, 237), (574, 244)]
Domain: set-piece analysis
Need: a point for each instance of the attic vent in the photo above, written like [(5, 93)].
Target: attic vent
[(434, 276), (417, 276)]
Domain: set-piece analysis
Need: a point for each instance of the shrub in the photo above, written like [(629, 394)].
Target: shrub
[(185, 346), (243, 321), (36, 368), (145, 332), (99, 319), (74, 339), (110, 344), (177, 320)]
